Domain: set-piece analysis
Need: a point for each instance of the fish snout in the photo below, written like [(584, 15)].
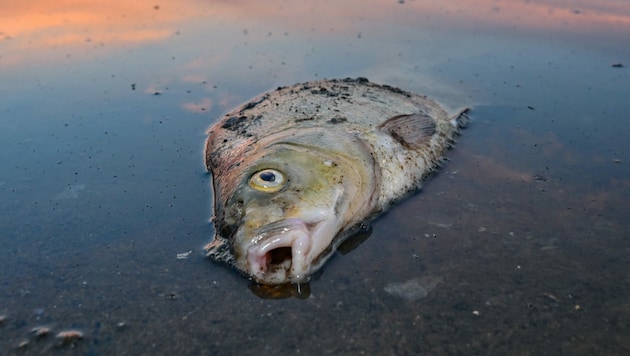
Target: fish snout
[(278, 252)]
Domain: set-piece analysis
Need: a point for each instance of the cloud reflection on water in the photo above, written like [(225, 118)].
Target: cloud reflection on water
[(30, 26), (274, 42)]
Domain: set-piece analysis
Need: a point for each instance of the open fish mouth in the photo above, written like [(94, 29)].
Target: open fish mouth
[(282, 251)]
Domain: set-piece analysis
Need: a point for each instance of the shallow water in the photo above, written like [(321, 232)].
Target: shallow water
[(518, 245)]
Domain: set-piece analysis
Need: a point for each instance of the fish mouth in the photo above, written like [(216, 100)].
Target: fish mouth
[(282, 251)]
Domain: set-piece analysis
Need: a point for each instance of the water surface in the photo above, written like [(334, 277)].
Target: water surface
[(518, 245)]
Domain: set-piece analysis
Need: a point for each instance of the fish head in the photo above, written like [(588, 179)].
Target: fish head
[(290, 207)]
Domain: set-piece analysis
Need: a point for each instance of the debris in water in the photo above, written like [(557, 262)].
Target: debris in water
[(438, 224), (551, 297), (617, 65), (413, 289), (40, 331), (22, 345), (540, 178), (69, 337)]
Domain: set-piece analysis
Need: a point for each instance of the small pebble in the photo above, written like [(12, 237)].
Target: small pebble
[(40, 331), (69, 337), (22, 345)]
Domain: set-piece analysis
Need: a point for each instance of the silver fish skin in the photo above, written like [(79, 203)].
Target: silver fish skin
[(297, 170)]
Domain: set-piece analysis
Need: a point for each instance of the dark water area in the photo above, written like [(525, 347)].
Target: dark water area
[(518, 245)]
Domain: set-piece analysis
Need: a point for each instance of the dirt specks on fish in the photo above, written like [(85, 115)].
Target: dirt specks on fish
[(337, 120), (240, 123), (252, 104)]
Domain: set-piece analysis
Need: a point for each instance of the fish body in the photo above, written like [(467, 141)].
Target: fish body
[(297, 170)]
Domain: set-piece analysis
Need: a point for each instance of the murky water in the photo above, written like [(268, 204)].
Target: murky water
[(519, 245)]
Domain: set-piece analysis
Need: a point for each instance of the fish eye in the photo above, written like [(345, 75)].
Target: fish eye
[(267, 180)]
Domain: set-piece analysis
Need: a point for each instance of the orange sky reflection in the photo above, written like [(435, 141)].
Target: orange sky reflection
[(28, 26)]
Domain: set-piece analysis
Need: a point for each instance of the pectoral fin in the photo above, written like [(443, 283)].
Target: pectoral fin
[(219, 250), (412, 130)]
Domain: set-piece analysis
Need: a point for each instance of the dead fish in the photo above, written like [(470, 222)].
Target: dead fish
[(297, 170)]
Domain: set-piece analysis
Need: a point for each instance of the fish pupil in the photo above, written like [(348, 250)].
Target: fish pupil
[(267, 176)]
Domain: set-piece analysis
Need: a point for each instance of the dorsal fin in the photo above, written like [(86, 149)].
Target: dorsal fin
[(411, 130)]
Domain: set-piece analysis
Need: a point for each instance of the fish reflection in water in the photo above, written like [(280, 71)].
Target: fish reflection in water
[(281, 291)]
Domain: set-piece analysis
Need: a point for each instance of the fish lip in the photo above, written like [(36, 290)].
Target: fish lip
[(293, 233)]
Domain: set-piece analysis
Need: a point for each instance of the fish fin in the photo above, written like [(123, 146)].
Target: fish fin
[(460, 120), (219, 250), (410, 130)]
